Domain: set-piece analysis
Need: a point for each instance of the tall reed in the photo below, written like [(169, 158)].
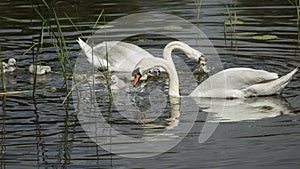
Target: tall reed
[(106, 72), (198, 4), (93, 71), (3, 79), (232, 22), (232, 19), (35, 58), (57, 38), (296, 3)]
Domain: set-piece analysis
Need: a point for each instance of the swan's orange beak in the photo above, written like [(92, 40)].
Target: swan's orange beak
[(136, 79)]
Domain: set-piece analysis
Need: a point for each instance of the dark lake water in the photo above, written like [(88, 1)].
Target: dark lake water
[(38, 131)]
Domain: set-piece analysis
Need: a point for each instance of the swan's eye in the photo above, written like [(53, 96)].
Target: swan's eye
[(135, 71)]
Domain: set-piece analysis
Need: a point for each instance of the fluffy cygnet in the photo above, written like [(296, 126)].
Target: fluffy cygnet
[(40, 70)]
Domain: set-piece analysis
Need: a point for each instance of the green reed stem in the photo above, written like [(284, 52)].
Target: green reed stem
[(17, 92), (61, 48), (29, 49), (35, 57), (225, 31), (230, 21), (107, 79), (296, 3), (73, 24), (198, 5), (298, 18), (230, 16), (96, 23), (58, 41), (106, 72), (3, 79)]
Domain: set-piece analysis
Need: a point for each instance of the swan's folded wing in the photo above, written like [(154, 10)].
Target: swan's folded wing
[(239, 78), (233, 80), (121, 56)]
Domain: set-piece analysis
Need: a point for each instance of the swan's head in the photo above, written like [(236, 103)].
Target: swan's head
[(137, 74), (47, 69), (200, 58), (12, 62), (147, 67), (114, 79)]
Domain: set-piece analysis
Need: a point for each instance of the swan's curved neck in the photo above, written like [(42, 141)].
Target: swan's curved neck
[(167, 53), (173, 77)]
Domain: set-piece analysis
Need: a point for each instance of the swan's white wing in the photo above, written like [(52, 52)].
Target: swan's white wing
[(96, 61), (233, 80), (269, 88), (121, 56), (239, 78)]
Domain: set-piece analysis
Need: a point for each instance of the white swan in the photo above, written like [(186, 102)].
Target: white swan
[(39, 69), (10, 66), (240, 82), (122, 57)]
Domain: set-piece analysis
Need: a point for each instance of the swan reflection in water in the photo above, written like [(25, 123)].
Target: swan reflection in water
[(248, 109), (141, 122), (231, 110)]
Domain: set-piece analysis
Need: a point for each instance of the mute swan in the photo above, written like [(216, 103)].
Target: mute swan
[(122, 57), (240, 82), (10, 66), (39, 70)]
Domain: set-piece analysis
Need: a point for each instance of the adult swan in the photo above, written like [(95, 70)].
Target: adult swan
[(122, 56), (240, 82)]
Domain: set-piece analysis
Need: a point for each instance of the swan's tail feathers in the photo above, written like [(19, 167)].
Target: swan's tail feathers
[(271, 87), (84, 46)]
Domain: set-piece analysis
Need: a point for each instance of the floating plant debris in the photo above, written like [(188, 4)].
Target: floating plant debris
[(234, 22), (245, 34), (264, 37), (173, 27)]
